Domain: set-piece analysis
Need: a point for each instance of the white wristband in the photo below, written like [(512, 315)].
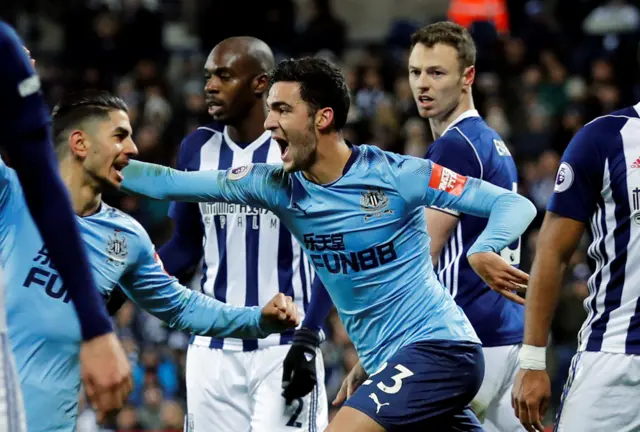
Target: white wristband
[(533, 357)]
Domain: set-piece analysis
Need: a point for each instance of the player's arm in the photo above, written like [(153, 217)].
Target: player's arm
[(184, 248), (319, 306), (299, 369), (574, 200), (24, 118), (423, 183), (151, 288), (27, 141), (259, 185), (454, 152), (558, 239), (440, 225)]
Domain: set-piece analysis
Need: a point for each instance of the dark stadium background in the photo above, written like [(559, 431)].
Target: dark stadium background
[(555, 65)]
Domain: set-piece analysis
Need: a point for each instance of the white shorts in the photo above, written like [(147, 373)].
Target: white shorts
[(492, 404), (236, 391), (12, 415), (601, 394)]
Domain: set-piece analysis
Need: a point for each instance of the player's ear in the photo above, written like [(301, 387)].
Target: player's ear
[(260, 84), (78, 143), (469, 75), (324, 119)]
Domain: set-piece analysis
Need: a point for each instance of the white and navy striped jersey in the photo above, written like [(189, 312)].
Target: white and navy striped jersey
[(248, 255), (598, 183)]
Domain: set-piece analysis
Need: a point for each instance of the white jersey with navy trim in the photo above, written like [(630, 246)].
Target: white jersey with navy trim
[(243, 245), (598, 183)]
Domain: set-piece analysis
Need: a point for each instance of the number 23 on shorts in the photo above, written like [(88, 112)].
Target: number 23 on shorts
[(403, 373)]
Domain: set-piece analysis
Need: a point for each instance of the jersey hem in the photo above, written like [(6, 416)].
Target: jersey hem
[(624, 351), (514, 340)]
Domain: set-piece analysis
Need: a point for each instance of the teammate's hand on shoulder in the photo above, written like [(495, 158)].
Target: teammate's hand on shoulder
[(530, 398), (351, 383), (499, 274), (280, 314), (106, 373), (299, 371)]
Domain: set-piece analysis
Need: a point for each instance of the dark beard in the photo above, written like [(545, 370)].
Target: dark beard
[(307, 148)]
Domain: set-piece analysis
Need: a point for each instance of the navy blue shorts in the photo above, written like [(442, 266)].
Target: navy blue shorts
[(424, 386)]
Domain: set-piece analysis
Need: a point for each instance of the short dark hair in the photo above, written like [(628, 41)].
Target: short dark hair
[(451, 34), (322, 84), (74, 108)]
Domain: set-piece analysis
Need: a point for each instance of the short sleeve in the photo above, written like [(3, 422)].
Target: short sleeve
[(458, 155), (579, 177)]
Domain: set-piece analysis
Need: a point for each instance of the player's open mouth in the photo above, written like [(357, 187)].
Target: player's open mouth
[(118, 166), (425, 100), (284, 146), (213, 106)]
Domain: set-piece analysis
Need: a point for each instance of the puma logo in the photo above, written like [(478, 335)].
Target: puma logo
[(374, 397)]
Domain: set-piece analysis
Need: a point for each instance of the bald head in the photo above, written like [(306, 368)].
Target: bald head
[(253, 53), (236, 74)]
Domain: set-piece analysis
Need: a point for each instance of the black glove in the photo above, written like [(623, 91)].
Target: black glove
[(116, 300), (299, 372)]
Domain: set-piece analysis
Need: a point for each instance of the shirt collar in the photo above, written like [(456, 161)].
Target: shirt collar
[(465, 115)]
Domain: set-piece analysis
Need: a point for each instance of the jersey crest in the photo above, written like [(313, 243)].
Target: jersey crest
[(374, 202), (117, 249)]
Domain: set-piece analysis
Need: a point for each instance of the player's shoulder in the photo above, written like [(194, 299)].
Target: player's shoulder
[(610, 124), (196, 139), (7, 33), (473, 134), (275, 173), (121, 221), (374, 158), (599, 132)]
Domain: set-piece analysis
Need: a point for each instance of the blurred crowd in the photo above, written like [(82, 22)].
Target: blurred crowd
[(556, 66)]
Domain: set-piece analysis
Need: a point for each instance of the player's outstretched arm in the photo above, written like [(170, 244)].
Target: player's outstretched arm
[(254, 184), (299, 371), (25, 124), (151, 288), (557, 241)]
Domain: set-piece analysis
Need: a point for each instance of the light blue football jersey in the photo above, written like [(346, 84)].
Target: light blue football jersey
[(42, 324), (365, 234)]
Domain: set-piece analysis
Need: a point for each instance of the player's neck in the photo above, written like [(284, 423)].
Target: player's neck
[(331, 157), (250, 127), (439, 125), (85, 194)]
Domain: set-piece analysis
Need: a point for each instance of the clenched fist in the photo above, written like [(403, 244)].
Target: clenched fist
[(280, 314)]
